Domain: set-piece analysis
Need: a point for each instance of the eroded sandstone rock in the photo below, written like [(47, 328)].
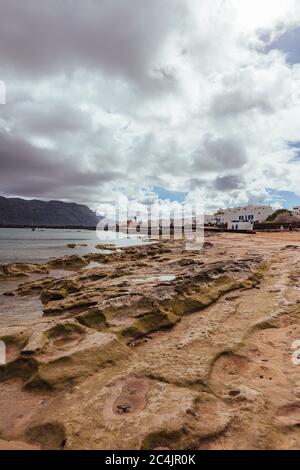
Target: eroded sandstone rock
[(15, 270), (76, 358), (122, 360)]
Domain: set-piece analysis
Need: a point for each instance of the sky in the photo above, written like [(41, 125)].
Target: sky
[(180, 100)]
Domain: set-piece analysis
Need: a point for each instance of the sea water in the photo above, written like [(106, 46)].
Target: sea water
[(28, 246)]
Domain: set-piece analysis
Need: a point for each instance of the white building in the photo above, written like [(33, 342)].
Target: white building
[(240, 225), (249, 213), (296, 211)]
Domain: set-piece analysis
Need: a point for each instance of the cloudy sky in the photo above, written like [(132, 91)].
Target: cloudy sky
[(179, 98)]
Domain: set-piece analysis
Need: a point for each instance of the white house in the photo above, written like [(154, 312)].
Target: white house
[(296, 211), (250, 213), (240, 225)]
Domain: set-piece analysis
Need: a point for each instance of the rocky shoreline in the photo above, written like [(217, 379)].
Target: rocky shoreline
[(156, 346)]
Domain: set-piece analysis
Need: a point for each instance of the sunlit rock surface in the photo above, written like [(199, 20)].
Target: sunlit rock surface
[(155, 347)]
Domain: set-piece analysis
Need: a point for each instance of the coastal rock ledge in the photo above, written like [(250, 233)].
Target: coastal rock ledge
[(155, 346)]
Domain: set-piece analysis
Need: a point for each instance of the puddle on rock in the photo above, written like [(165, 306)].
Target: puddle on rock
[(92, 265), (14, 310), (154, 278)]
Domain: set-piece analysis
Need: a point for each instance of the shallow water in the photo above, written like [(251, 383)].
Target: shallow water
[(16, 310), (155, 278), (21, 309), (25, 245)]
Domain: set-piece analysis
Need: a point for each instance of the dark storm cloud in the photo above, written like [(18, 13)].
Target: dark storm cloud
[(52, 118), (30, 171), (195, 183), (18, 157), (227, 183), (218, 154), (48, 117), (117, 37)]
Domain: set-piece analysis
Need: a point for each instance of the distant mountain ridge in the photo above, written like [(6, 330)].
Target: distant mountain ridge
[(17, 211)]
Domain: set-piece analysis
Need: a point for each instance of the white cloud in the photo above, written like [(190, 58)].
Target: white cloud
[(182, 96)]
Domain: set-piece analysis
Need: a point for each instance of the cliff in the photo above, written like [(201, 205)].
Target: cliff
[(15, 211)]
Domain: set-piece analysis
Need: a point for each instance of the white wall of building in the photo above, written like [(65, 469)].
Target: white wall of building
[(246, 213), (296, 211), (250, 213), (240, 225)]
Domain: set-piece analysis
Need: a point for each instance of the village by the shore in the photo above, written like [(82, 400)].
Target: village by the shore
[(245, 219), (250, 216)]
